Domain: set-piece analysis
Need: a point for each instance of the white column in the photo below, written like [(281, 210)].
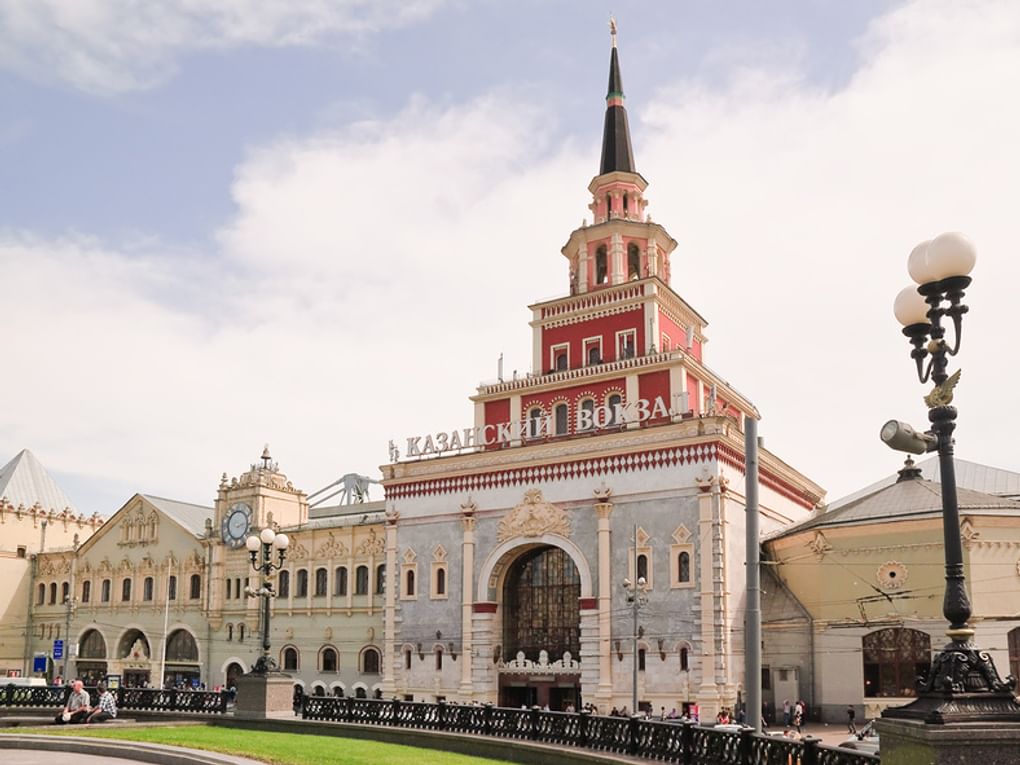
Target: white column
[(389, 659), (708, 695), (604, 692), (468, 598)]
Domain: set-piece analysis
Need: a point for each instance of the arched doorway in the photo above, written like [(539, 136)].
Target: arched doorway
[(541, 637), (182, 667), (234, 671), (133, 651), (92, 657)]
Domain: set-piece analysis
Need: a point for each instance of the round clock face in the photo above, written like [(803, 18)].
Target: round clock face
[(236, 524)]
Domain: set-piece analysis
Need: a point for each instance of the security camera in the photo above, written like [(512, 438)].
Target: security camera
[(903, 438)]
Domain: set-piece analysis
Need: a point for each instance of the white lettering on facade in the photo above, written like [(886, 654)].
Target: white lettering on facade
[(518, 431)]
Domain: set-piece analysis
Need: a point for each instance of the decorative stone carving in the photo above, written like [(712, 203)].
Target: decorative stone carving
[(892, 575), (267, 475), (298, 552), (522, 665), (373, 544), (534, 517), (332, 548), (439, 554), (602, 492), (820, 545), (328, 633), (410, 556), (969, 535), (681, 535), (139, 651)]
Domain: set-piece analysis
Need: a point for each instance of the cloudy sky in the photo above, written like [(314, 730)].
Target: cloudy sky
[(318, 223)]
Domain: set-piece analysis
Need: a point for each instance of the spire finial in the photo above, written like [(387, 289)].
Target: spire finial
[(612, 29)]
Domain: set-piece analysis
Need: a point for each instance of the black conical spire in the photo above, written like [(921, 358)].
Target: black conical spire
[(616, 152)]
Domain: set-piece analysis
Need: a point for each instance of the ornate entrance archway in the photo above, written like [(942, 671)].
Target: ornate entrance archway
[(541, 630)]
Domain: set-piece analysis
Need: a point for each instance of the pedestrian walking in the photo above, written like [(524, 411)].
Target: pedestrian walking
[(850, 715), (786, 713)]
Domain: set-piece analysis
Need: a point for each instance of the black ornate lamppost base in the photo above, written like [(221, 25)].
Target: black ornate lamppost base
[(961, 686), (264, 665)]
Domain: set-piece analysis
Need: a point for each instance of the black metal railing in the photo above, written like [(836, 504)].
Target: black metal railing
[(680, 742), (128, 699)]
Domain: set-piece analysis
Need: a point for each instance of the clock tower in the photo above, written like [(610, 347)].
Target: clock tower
[(262, 496)]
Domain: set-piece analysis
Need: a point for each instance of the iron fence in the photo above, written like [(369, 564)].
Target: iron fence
[(128, 699), (680, 742)]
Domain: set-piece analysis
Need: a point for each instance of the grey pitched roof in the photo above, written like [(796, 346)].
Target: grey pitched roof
[(969, 475), (192, 517), (911, 498), (24, 481)]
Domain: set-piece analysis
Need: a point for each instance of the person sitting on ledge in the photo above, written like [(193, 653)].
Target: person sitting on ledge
[(77, 708), (107, 709)]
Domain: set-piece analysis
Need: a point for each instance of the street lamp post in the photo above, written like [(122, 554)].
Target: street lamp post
[(261, 548), (637, 597), (962, 684)]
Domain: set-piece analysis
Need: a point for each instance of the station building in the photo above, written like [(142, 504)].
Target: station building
[(494, 568)]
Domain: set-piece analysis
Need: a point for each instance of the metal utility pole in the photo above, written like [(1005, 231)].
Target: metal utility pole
[(637, 596), (752, 623)]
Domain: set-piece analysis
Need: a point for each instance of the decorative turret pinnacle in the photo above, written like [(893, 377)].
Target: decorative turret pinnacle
[(616, 151)]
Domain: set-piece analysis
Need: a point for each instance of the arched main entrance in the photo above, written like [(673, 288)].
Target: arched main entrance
[(92, 657), (182, 667), (133, 651), (541, 640)]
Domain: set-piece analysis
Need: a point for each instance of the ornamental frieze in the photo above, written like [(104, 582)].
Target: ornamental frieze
[(534, 517), (332, 548)]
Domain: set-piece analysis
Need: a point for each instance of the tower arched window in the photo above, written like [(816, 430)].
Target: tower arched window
[(195, 587), (148, 588), (380, 579), (302, 583), (534, 421), (328, 659), (601, 265), (361, 580), (125, 590), (588, 413), (321, 586), (633, 261), (409, 583), (41, 596), (439, 658), (609, 206), (290, 658), (340, 581), (685, 661), (65, 592), (407, 658), (641, 655), (440, 581), (171, 588), (614, 402), (626, 200), (86, 591), (240, 632), (642, 567), (106, 590), (53, 593), (561, 414), (283, 584)]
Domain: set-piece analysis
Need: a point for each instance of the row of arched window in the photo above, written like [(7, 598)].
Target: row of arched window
[(126, 593), (588, 416), (329, 659), (602, 263), (320, 583)]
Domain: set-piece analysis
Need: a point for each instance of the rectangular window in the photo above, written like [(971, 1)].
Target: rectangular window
[(626, 344), (559, 357), (22, 551), (592, 351), (172, 588)]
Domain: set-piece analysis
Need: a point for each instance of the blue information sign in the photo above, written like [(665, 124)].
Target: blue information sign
[(38, 663), (58, 649)]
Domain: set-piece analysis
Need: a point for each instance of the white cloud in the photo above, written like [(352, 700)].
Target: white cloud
[(112, 46), (374, 273)]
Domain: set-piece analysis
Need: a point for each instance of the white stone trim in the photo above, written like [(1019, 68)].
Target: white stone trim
[(488, 568)]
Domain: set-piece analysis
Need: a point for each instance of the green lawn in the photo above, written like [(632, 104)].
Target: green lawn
[(277, 748)]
